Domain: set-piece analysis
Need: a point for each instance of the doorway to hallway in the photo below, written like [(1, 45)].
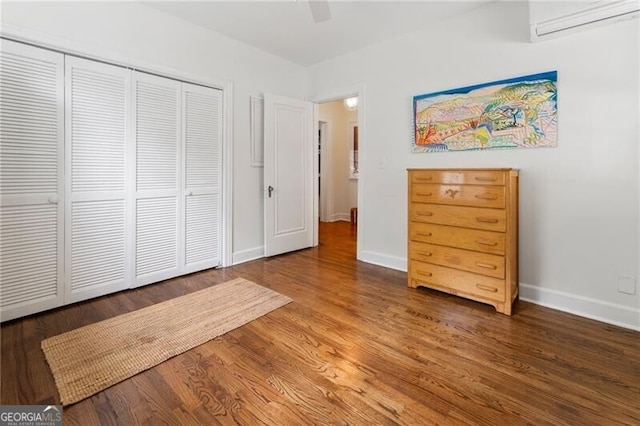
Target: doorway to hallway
[(338, 240), (338, 143)]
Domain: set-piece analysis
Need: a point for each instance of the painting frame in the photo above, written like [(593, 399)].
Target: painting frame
[(519, 112)]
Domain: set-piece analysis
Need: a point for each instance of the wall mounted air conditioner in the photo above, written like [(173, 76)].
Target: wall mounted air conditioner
[(555, 19)]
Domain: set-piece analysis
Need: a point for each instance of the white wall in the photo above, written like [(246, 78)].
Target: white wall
[(342, 191), (139, 35), (579, 202)]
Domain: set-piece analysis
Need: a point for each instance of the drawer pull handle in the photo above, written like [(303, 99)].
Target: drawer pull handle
[(486, 265), (424, 234), (487, 288), (423, 253), (485, 179), (426, 274), (423, 179), (425, 214), (424, 194), (485, 242), (486, 220), (486, 197)]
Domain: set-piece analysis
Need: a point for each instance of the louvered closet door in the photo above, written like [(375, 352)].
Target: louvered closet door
[(31, 179), (158, 162), (97, 125), (202, 135)]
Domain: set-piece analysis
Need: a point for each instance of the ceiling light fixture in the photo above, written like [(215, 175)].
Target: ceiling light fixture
[(351, 104)]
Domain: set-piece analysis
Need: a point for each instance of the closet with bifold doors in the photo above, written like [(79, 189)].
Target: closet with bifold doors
[(110, 178)]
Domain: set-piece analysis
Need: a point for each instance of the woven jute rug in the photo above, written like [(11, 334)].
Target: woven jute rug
[(88, 360)]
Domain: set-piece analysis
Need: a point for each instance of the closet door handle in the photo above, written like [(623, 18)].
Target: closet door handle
[(53, 200), (270, 189)]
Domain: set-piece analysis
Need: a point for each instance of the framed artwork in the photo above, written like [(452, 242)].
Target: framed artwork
[(519, 112)]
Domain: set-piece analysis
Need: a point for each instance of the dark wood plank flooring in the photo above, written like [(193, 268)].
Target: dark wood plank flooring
[(355, 347)]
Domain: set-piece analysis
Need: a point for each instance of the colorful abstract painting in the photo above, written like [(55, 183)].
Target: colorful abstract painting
[(520, 112)]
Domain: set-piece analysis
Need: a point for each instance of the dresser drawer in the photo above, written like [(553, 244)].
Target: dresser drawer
[(459, 177), (470, 239), (459, 195), (457, 281), (472, 261), (467, 217)]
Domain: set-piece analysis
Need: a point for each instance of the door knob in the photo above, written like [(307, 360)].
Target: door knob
[(270, 189), (53, 200)]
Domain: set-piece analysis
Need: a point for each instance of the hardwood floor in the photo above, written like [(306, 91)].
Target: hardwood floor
[(356, 346)]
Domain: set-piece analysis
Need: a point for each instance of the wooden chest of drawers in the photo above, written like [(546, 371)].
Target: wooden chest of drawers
[(463, 233)]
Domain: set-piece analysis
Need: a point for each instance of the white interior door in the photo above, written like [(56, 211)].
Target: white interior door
[(98, 197), (288, 174), (31, 179), (158, 179)]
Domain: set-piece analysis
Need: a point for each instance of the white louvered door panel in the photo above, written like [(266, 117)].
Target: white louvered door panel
[(31, 179), (202, 135), (97, 251), (158, 161)]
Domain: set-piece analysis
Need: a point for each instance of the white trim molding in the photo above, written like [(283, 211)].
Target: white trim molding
[(227, 175), (380, 259), (101, 54), (638, 219), (248, 255), (587, 307), (610, 313), (336, 217)]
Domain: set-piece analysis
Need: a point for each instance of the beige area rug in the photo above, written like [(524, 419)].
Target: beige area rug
[(88, 360)]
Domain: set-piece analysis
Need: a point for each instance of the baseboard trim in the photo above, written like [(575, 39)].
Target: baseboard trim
[(610, 313), (336, 217), (397, 263), (248, 255)]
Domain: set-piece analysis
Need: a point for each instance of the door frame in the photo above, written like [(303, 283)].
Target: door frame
[(334, 95), (324, 171)]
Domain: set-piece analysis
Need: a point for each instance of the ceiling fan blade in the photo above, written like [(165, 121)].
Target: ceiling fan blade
[(320, 10)]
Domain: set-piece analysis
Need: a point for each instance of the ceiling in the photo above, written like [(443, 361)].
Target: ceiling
[(286, 28)]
